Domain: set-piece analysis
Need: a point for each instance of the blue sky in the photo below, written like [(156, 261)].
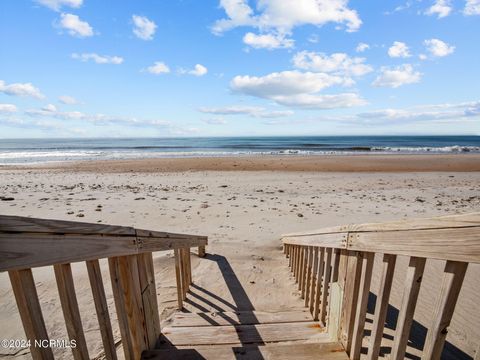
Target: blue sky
[(86, 68)]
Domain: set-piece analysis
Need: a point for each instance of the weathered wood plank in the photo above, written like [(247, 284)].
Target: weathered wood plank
[(243, 334), (26, 296), (448, 221), (383, 295), (327, 240), (71, 313), (28, 225), (182, 319), (454, 274), (151, 244), (25, 250), (411, 289), (350, 298), (325, 351), (101, 307), (149, 297), (364, 291), (433, 243), (128, 302)]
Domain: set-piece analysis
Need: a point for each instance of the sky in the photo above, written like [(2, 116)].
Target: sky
[(91, 68)]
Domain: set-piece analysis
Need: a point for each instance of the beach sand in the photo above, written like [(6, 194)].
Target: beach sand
[(243, 212)]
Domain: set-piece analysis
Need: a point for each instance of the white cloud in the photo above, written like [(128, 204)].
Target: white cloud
[(397, 76), (268, 41), (68, 100), (424, 113), (278, 18), (58, 4), (472, 7), (295, 88), (441, 8), (158, 68), (20, 89), (50, 111), (438, 48), (99, 59), (284, 15), (361, 47), (75, 26), (143, 27), (199, 70), (254, 111), (338, 63), (399, 49), (215, 121), (8, 108)]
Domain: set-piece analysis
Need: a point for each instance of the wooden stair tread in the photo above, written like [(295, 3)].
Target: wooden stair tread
[(228, 318), (242, 334), (297, 351)]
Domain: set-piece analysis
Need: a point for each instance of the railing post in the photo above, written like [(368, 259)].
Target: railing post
[(350, 296), (148, 288), (128, 302)]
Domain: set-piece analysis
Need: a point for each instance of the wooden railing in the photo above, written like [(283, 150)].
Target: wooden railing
[(333, 268), (26, 243)]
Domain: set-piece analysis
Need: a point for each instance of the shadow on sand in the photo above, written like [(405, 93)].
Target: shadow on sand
[(199, 296)]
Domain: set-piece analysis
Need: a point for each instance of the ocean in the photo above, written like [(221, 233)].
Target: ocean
[(29, 151)]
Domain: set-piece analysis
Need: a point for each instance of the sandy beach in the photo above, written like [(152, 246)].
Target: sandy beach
[(243, 212)]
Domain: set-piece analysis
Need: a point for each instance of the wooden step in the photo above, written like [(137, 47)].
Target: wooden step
[(243, 334), (182, 319), (298, 351)]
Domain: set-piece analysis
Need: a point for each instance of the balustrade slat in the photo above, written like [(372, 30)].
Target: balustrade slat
[(364, 291), (411, 289), (453, 276), (314, 279), (71, 313), (318, 287), (101, 307), (309, 275), (325, 285), (301, 280), (352, 270), (381, 306), (26, 296), (178, 277)]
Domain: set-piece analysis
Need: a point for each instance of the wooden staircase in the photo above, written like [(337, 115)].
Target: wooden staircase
[(245, 335), (332, 268)]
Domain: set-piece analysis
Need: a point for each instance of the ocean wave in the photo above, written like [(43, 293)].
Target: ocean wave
[(35, 157)]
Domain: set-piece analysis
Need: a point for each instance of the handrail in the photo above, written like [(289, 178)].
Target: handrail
[(28, 242), (333, 268), (430, 238)]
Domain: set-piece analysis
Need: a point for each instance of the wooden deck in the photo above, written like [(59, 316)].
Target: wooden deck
[(245, 335)]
